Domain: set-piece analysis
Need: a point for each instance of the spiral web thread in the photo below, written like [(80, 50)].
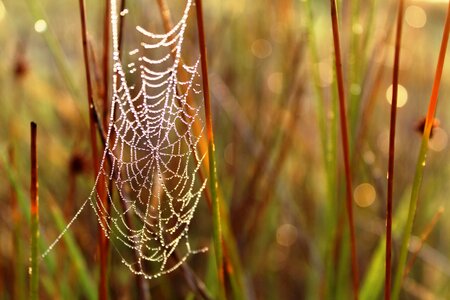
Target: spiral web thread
[(151, 156)]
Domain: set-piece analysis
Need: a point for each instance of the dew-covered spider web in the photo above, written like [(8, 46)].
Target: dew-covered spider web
[(151, 159)]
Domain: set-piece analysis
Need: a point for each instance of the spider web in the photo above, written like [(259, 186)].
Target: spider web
[(151, 157)]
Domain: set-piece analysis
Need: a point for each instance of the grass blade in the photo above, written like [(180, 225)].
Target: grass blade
[(421, 160), (217, 230)]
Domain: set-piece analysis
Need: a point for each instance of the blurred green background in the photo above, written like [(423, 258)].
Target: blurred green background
[(278, 146)]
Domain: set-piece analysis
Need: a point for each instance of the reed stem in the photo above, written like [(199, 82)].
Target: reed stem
[(34, 270), (345, 146), (217, 230), (390, 175), (101, 188)]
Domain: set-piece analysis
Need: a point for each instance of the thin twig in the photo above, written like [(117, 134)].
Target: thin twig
[(345, 146)]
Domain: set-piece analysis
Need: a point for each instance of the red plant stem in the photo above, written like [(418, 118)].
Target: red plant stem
[(101, 189), (210, 136), (106, 61), (34, 199), (121, 25), (438, 75), (345, 146), (398, 37)]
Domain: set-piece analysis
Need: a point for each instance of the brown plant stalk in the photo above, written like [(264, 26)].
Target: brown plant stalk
[(101, 188), (345, 146), (398, 36)]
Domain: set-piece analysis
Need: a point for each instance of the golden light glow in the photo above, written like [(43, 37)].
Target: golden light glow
[(439, 140), (40, 26), (402, 95), (261, 48), (364, 194), (275, 82), (415, 16), (286, 235)]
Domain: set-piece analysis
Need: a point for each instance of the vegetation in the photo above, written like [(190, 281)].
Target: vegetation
[(312, 175)]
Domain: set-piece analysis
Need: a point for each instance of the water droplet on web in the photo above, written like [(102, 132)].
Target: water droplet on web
[(124, 12), (148, 181)]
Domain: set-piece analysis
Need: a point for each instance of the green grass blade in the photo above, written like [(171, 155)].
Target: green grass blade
[(421, 161)]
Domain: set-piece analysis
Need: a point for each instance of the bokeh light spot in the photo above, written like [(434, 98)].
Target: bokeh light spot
[(402, 95), (261, 48), (415, 16), (286, 235), (40, 26), (364, 194), (275, 82), (357, 28), (325, 73), (439, 140)]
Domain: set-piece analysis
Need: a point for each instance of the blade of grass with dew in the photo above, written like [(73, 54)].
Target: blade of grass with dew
[(421, 160), (390, 174), (217, 230), (345, 147), (34, 210)]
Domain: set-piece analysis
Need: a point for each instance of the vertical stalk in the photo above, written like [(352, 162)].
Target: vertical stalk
[(421, 160), (101, 189), (217, 231), (390, 175), (34, 271), (121, 25), (345, 146), (106, 58)]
